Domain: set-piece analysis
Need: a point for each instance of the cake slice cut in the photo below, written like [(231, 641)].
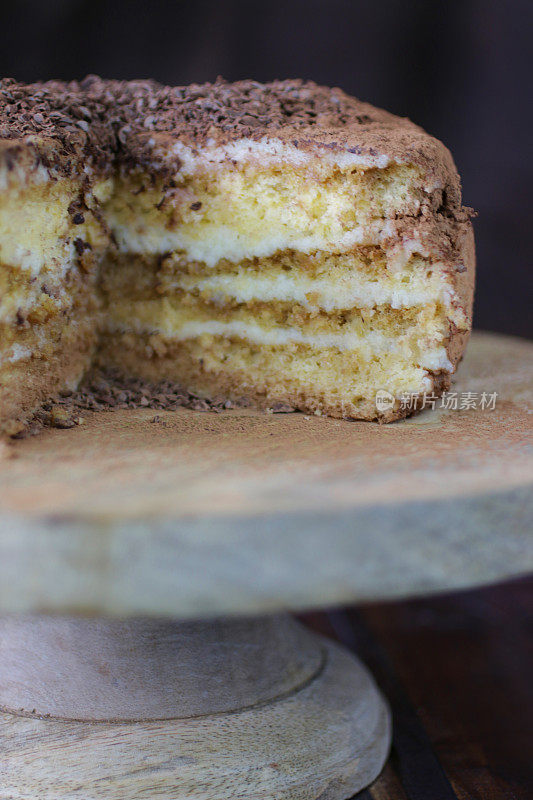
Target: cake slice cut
[(279, 243)]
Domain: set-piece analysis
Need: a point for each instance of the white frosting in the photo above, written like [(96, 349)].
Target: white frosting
[(16, 353), (271, 150), (217, 242), (347, 292), (268, 150), (221, 242), (62, 258)]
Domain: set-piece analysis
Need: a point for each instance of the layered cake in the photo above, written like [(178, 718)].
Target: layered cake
[(278, 243)]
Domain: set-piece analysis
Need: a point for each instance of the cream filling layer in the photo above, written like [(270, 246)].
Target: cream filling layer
[(210, 243), (34, 252), (347, 292), (371, 344), (268, 151), (271, 150)]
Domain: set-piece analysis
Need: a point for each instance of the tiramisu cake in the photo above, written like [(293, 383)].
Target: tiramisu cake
[(281, 243)]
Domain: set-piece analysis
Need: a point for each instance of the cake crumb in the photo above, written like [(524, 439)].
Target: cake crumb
[(282, 408), (60, 417)]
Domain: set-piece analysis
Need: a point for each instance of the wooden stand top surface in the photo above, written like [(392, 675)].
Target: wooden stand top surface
[(200, 514)]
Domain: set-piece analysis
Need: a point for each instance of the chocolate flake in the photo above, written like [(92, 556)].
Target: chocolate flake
[(110, 391)]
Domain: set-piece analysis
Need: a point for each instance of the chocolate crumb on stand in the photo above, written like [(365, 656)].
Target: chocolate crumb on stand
[(110, 391)]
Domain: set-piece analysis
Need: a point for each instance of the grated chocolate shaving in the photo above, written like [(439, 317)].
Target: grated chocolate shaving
[(110, 391)]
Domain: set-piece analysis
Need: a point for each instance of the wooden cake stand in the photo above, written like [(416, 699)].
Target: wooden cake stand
[(146, 568)]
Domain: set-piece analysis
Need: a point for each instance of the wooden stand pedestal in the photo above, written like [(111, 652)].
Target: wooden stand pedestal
[(223, 709)]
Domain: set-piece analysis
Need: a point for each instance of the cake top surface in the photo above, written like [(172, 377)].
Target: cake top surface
[(55, 118), (224, 111), (102, 119)]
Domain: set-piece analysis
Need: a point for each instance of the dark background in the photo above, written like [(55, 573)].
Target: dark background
[(462, 69)]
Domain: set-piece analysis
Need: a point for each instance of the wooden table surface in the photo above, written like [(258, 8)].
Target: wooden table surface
[(456, 670)]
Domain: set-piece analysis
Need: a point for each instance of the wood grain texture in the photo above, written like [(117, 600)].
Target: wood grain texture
[(242, 512), (326, 739), (85, 669)]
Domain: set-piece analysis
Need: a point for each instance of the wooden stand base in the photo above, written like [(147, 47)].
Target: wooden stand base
[(207, 711)]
